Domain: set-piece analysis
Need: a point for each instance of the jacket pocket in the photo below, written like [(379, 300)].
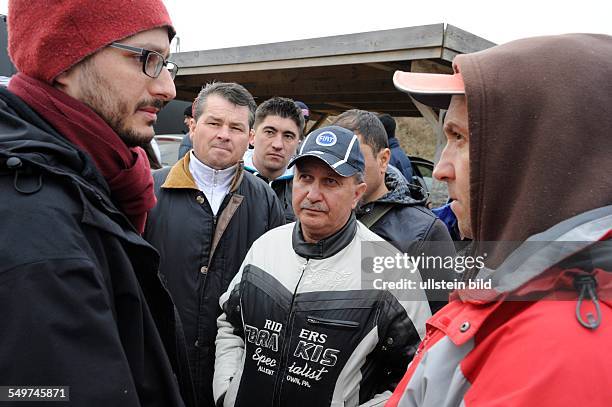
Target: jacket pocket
[(337, 323)]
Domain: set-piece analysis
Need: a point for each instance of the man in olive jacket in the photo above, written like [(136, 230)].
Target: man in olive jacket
[(209, 212)]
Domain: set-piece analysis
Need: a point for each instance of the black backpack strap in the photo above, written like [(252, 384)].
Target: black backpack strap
[(370, 218)]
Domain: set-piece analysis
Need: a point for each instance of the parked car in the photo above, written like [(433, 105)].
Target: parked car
[(168, 146), (424, 169)]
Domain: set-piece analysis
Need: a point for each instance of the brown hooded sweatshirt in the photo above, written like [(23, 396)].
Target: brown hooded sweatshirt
[(540, 119), (540, 133)]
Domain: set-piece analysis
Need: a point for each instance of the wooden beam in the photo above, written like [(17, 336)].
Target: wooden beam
[(347, 72), (339, 86), (368, 42), (383, 67), (429, 66), (318, 123), (372, 57), (341, 106), (464, 42), (352, 98)]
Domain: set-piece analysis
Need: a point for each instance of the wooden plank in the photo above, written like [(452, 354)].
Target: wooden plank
[(320, 121), (383, 67), (449, 55), (374, 87), (375, 41), (352, 72), (464, 42), (352, 98), (372, 57), (429, 66)]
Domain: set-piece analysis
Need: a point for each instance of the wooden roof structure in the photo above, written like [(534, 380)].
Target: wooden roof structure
[(331, 74)]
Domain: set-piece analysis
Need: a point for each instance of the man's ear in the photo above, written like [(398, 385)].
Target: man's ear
[(252, 137), (192, 127), (67, 81), (359, 191), (383, 158)]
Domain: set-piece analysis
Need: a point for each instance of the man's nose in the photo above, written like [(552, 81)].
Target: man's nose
[(224, 132), (163, 87), (277, 142), (444, 170), (314, 192)]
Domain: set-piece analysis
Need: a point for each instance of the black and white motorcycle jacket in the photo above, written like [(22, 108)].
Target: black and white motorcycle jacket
[(298, 329)]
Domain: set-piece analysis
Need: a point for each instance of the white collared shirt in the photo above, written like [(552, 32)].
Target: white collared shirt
[(215, 184)]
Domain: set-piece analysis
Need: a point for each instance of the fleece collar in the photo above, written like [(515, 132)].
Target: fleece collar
[(250, 167), (326, 247), (180, 177)]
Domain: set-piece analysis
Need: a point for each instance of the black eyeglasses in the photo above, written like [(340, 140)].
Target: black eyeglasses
[(152, 62)]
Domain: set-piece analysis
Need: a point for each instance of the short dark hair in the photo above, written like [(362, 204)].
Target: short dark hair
[(283, 107), (358, 177), (188, 111), (230, 91), (389, 124), (367, 125)]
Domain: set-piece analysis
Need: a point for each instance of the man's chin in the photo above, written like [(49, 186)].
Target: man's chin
[(136, 139), (274, 166)]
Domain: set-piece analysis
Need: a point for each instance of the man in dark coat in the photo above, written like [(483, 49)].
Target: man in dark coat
[(399, 159), (388, 209), (276, 136), (82, 302), (209, 212)]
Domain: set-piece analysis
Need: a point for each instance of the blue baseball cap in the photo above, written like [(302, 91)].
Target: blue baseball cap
[(337, 147)]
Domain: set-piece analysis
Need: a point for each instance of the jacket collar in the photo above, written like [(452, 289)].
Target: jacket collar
[(542, 252), (180, 177), (399, 194), (249, 165), (554, 275), (326, 247)]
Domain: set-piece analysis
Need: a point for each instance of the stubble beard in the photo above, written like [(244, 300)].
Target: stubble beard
[(96, 93)]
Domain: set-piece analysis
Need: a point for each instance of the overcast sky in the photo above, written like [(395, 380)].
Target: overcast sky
[(205, 24)]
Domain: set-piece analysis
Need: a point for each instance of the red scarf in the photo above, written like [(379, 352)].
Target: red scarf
[(126, 170)]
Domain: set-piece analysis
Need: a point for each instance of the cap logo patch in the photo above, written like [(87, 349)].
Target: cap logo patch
[(326, 139)]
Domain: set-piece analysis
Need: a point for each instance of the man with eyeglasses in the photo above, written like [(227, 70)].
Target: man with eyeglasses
[(83, 306)]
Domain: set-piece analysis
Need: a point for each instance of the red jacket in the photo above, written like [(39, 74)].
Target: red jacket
[(508, 349)]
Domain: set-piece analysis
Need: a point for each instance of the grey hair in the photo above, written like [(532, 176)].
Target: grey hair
[(230, 91), (358, 177)]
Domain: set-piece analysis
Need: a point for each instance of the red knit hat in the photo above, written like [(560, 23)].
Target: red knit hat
[(45, 38)]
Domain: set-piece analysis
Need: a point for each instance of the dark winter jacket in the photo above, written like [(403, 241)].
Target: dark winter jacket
[(399, 159), (82, 303), (182, 227), (412, 229)]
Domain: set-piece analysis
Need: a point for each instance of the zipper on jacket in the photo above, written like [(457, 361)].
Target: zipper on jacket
[(332, 322), (286, 346)]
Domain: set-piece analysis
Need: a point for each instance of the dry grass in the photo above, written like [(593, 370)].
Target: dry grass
[(416, 136)]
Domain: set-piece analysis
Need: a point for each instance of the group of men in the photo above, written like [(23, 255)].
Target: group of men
[(213, 205), (195, 286)]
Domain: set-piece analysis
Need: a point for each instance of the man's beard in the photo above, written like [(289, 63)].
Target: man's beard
[(96, 93)]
